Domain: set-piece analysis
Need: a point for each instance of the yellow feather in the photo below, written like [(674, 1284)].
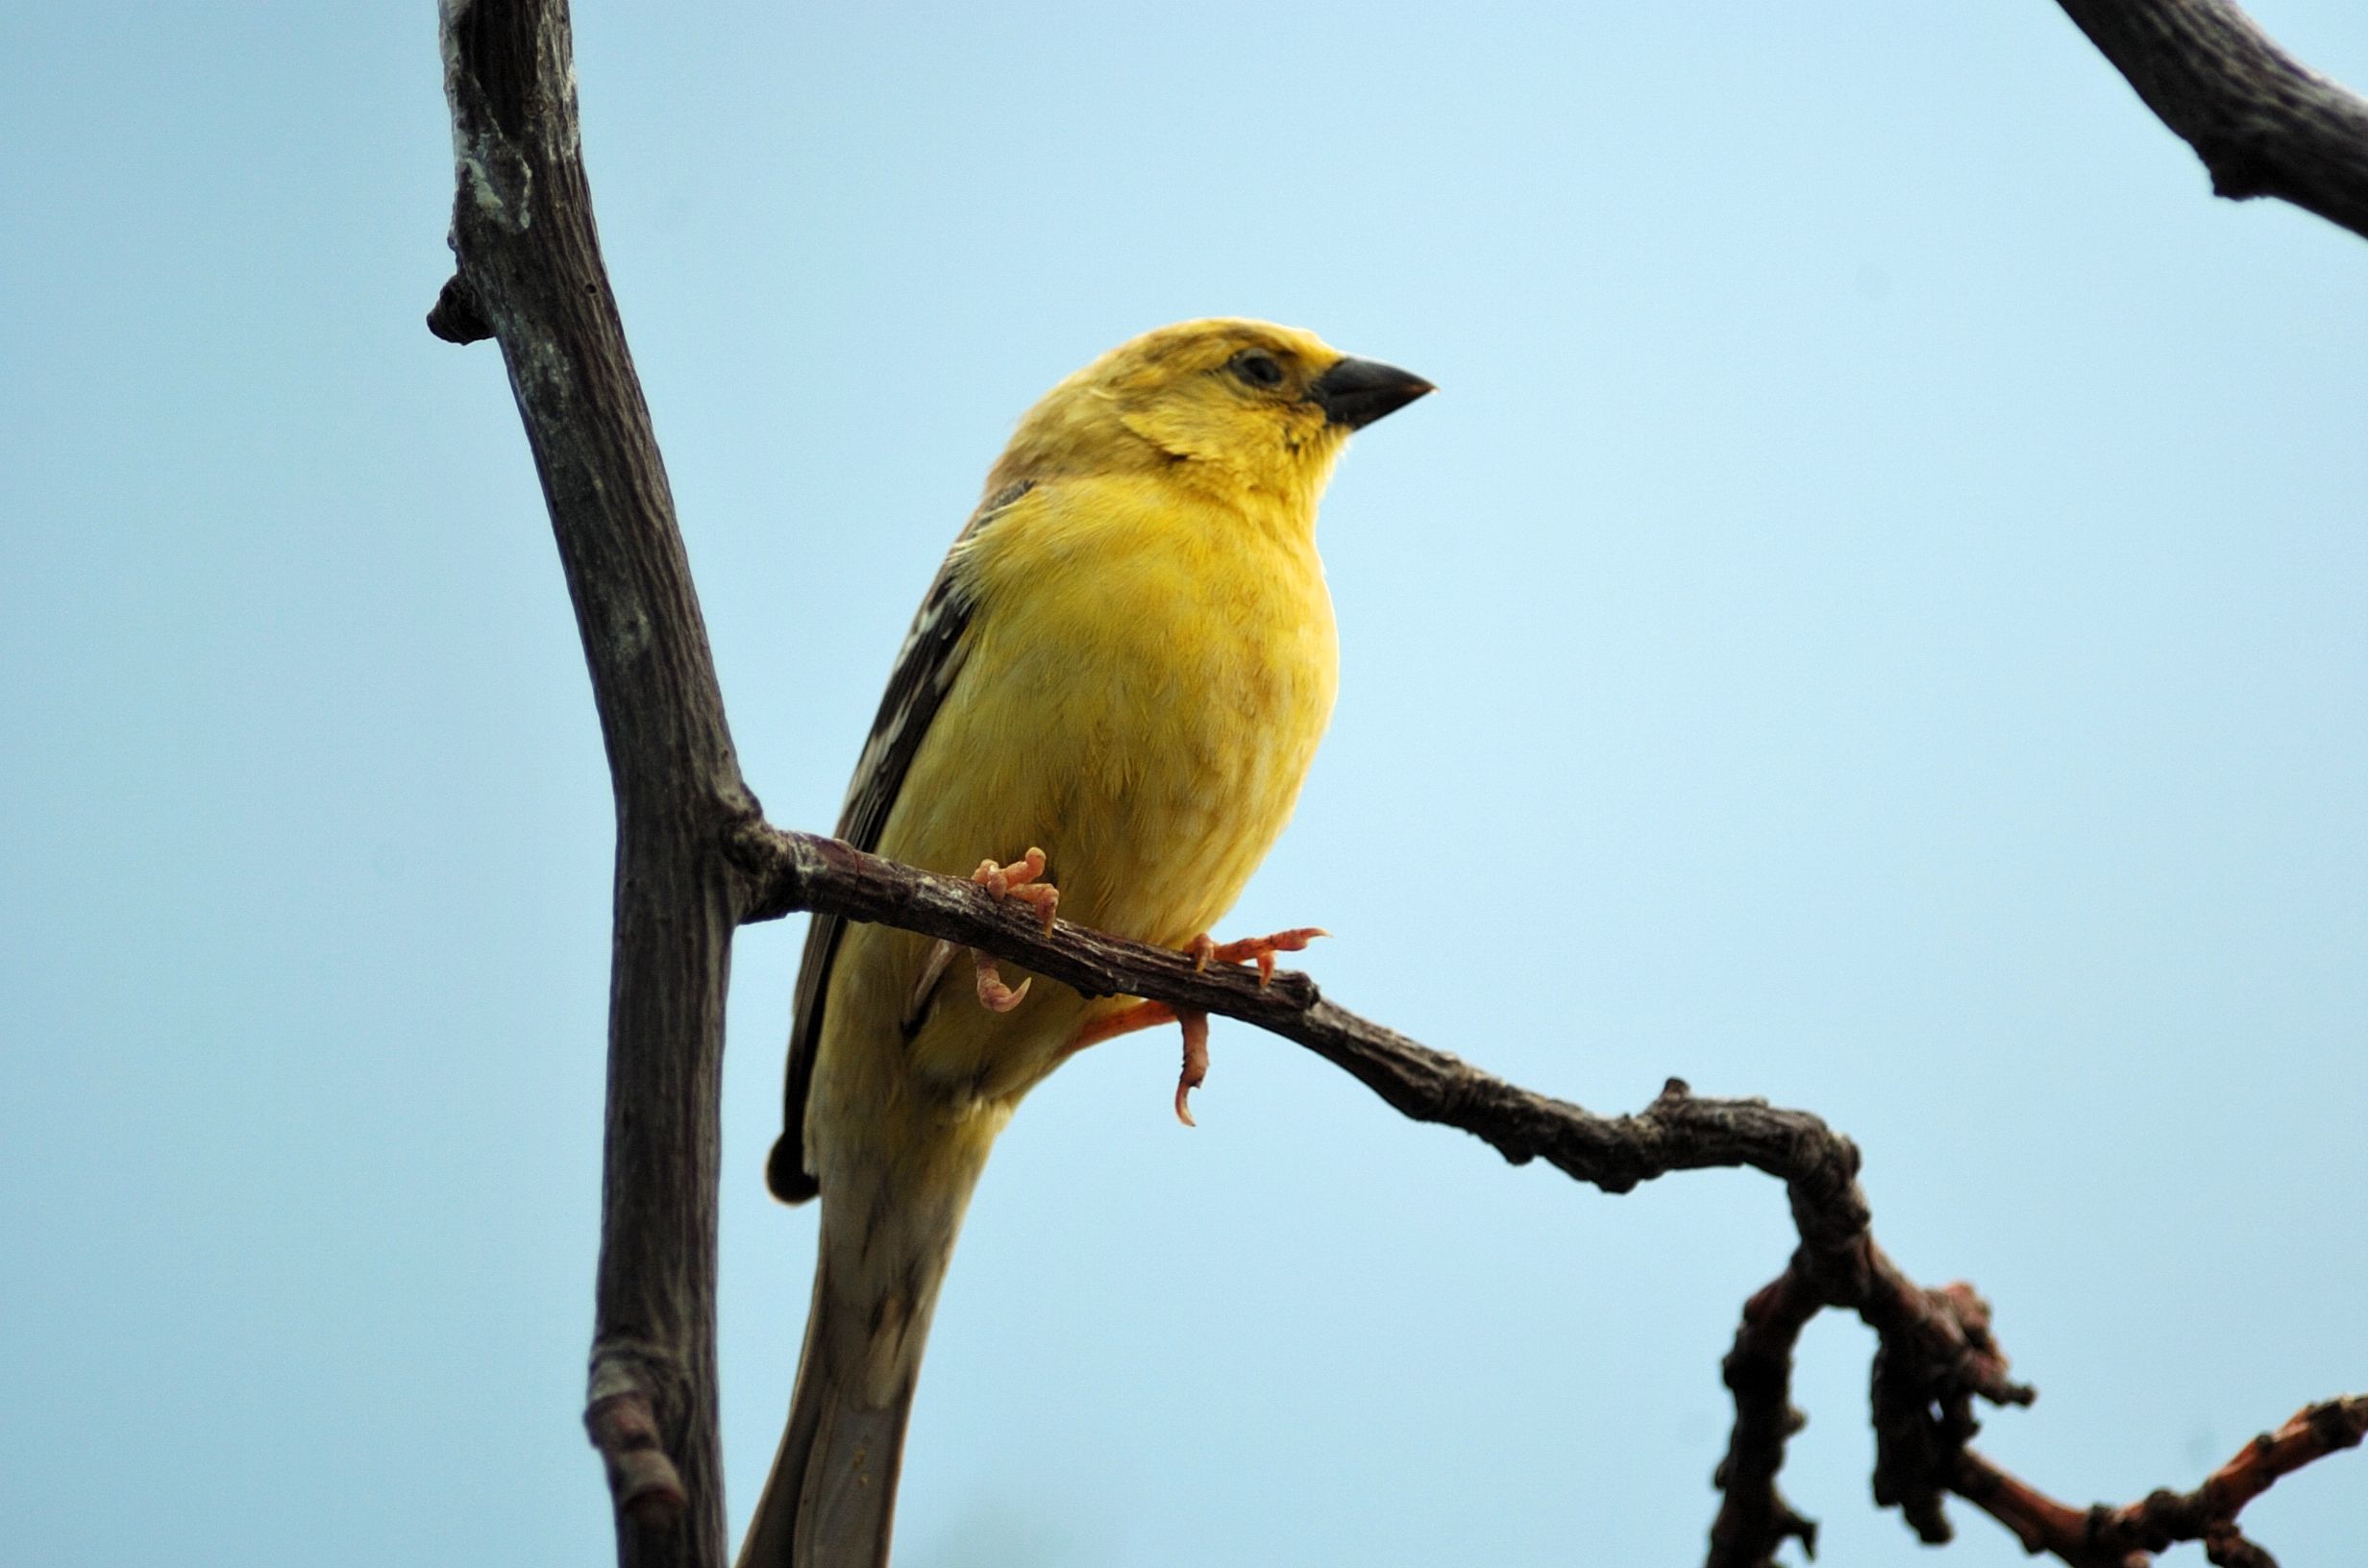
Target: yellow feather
[(1148, 665)]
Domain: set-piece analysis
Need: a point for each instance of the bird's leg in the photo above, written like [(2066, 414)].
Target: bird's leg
[(1150, 1015), (1204, 950), (1124, 1021), (1018, 880), (932, 971)]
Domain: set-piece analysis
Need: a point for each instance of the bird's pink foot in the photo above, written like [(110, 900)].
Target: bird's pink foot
[(1258, 950), (1196, 1061), (1204, 950), (1149, 1016), (993, 994), (1020, 880)]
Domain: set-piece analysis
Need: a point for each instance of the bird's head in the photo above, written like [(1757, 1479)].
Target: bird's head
[(1244, 409)]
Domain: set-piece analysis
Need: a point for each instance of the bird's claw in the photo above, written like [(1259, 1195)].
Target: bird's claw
[(1195, 1071), (1021, 880), (1018, 880), (993, 994), (1149, 1016), (1204, 951), (1259, 950)]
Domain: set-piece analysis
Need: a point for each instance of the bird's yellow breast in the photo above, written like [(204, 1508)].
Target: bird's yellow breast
[(1167, 668), (1145, 677)]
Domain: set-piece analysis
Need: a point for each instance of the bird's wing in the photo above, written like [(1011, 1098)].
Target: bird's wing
[(924, 671)]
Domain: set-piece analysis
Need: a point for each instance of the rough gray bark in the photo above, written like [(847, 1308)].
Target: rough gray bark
[(695, 859), (530, 275), (2263, 123)]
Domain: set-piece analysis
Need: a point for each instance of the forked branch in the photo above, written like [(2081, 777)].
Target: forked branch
[(695, 859)]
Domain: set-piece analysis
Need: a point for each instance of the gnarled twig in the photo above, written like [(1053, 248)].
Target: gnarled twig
[(2125, 1536)]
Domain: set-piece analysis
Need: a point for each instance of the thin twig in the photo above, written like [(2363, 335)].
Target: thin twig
[(794, 871), (2127, 1537)]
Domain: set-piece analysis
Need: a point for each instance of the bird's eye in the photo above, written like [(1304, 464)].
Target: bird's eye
[(1258, 369)]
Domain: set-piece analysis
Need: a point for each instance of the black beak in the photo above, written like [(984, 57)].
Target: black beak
[(1356, 392)]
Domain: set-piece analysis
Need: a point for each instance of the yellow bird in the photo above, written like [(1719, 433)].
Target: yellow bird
[(1117, 681)]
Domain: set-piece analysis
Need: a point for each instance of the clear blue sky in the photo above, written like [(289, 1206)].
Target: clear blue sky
[(1873, 619)]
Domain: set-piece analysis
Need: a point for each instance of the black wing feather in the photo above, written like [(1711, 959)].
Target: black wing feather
[(924, 671)]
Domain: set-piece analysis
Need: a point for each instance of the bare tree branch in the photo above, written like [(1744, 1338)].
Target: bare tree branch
[(2263, 123), (2125, 1536), (530, 275), (1753, 1518), (1936, 1354), (794, 871), (695, 859)]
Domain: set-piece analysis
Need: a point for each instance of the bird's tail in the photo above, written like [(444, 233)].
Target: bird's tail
[(830, 1498)]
